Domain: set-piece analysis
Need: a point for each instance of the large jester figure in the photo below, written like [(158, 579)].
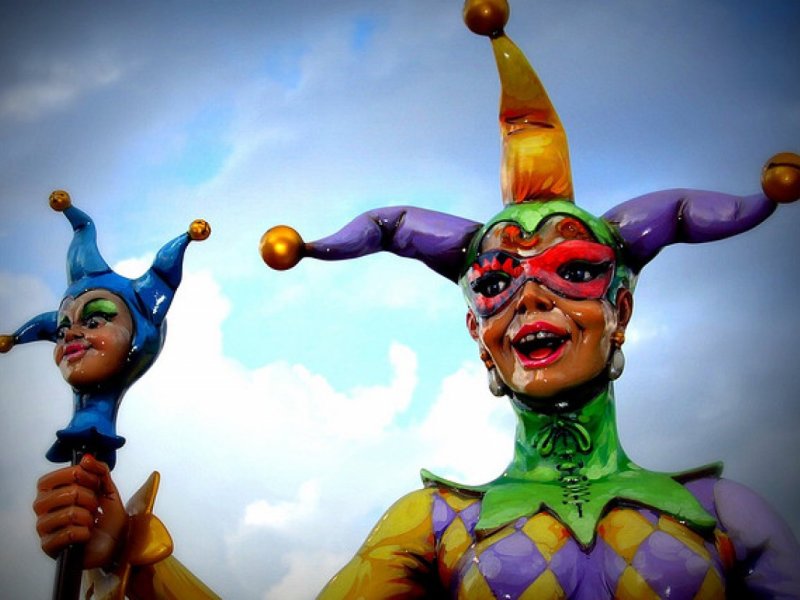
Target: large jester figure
[(550, 293), (549, 289)]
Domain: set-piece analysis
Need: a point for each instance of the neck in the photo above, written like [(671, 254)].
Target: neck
[(572, 444)]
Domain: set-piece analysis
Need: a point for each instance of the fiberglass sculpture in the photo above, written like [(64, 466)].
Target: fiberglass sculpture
[(108, 331), (550, 292)]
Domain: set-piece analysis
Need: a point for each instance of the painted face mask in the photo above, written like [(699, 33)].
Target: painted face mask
[(576, 269)]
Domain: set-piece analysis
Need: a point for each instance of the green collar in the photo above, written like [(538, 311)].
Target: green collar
[(573, 466)]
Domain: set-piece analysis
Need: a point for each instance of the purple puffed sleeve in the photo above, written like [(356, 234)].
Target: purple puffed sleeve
[(651, 222), (767, 553)]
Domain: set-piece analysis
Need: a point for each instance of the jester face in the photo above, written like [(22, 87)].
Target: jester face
[(93, 340), (539, 303)]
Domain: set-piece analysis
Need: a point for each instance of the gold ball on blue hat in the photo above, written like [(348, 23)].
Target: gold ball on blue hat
[(6, 343), (199, 230), (60, 200)]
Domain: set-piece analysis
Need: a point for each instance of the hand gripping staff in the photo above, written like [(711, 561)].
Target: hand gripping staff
[(108, 331)]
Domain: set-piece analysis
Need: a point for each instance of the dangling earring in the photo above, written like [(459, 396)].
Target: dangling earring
[(617, 363), (496, 385)]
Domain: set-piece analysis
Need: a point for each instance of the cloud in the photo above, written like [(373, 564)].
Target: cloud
[(49, 87), (283, 514)]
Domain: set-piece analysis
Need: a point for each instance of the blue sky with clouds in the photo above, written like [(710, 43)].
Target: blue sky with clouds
[(288, 410)]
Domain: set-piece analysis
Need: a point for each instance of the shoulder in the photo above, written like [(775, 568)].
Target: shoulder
[(747, 517), (767, 552)]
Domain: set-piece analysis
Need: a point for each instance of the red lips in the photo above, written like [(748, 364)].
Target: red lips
[(74, 351)]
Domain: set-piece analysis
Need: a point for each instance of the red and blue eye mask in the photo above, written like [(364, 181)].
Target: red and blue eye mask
[(575, 269)]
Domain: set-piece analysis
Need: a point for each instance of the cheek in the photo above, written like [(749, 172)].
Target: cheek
[(596, 319), (111, 341), (58, 353), (491, 333)]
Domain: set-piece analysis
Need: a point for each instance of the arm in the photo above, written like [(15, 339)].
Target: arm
[(767, 553), (397, 560)]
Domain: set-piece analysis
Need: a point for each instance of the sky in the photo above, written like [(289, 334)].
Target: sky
[(289, 410)]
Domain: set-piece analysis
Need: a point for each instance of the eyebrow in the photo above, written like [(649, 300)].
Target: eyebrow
[(101, 306)]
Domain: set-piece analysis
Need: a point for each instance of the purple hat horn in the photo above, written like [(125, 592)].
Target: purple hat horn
[(437, 239), (650, 222)]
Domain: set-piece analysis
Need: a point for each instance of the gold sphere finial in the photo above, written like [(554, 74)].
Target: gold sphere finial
[(60, 200), (281, 247), (780, 178), (199, 230), (486, 17), (6, 343)]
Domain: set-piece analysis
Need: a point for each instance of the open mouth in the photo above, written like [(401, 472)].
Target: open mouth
[(539, 344)]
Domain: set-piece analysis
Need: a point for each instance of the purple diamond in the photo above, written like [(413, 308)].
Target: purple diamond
[(442, 516), (566, 565), (511, 565), (469, 516), (612, 563), (669, 566)]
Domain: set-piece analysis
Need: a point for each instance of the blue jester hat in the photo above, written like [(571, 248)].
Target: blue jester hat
[(148, 299)]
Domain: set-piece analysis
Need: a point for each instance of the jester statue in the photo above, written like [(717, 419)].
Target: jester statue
[(108, 331), (549, 289)]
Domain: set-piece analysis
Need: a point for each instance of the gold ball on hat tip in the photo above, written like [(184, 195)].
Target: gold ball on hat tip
[(60, 200), (6, 343), (281, 247), (486, 17), (199, 230), (780, 178)]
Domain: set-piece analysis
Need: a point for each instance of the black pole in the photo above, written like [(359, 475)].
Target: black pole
[(69, 566)]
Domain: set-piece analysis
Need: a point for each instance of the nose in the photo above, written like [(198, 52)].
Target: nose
[(534, 297), (72, 333)]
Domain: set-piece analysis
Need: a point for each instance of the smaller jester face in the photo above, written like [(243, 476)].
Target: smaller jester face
[(94, 338), (538, 304)]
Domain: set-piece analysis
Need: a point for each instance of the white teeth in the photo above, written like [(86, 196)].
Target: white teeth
[(539, 335)]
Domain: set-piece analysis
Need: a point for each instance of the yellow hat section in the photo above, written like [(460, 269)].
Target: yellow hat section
[(535, 163)]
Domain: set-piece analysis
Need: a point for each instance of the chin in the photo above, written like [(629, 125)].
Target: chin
[(560, 397)]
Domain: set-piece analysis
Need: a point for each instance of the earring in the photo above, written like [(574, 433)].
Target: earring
[(496, 385), (617, 363)]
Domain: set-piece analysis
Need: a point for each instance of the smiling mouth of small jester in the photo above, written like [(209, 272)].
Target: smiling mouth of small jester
[(541, 346)]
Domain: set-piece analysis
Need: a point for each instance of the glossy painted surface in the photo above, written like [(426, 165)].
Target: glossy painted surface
[(427, 544), (108, 330)]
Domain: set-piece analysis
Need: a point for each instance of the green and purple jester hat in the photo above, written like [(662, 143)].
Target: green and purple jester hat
[(537, 184), (96, 291)]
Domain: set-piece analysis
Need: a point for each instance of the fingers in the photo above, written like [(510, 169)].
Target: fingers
[(80, 504), (64, 527), (65, 497), (68, 476)]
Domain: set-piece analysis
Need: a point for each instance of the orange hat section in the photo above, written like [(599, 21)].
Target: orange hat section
[(535, 163)]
